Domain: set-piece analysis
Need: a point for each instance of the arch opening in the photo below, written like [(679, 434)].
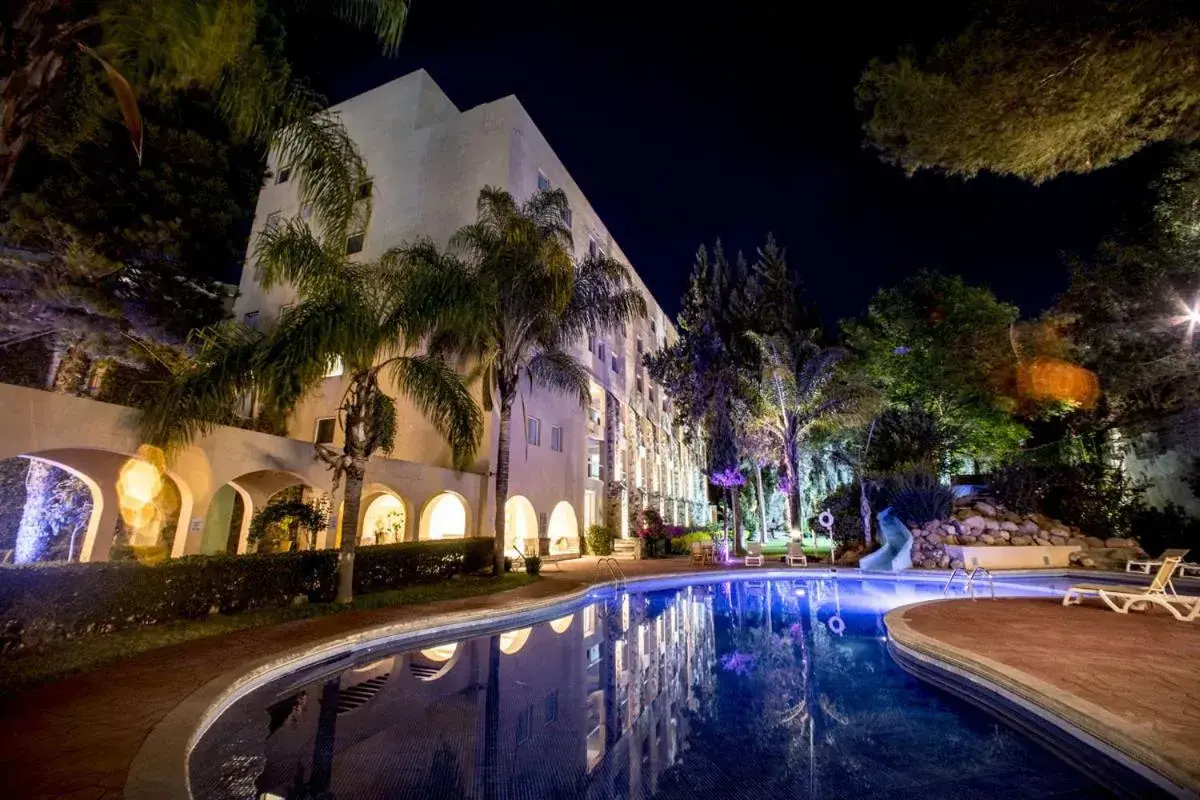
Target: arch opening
[(563, 530), (385, 520), (444, 517), (520, 526)]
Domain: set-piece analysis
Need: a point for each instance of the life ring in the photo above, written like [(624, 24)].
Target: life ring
[(826, 520), (837, 625)]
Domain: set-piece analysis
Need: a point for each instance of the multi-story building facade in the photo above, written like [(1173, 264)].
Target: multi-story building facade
[(573, 467)]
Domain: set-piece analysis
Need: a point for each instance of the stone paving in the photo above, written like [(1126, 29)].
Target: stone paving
[(76, 738)]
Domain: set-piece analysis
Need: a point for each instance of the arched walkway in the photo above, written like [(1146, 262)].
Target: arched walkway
[(520, 526), (563, 530), (233, 506), (445, 517), (385, 519)]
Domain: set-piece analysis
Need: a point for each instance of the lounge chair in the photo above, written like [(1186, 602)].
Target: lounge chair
[(754, 555), (698, 554), (1146, 564), (1122, 598), (795, 554)]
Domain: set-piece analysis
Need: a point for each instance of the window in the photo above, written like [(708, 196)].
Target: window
[(593, 248), (640, 383), (591, 342), (524, 724), (283, 175), (653, 399), (335, 367), (251, 319), (616, 364), (551, 707), (285, 309), (566, 217), (600, 351), (273, 220), (593, 652), (306, 213), (589, 623), (533, 432), (640, 346), (354, 243), (364, 191), (543, 182), (324, 432), (653, 326), (556, 439)]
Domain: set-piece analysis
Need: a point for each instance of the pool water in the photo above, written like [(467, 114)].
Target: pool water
[(755, 689)]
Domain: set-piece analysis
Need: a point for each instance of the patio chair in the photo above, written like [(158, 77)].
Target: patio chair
[(710, 552), (699, 557), (754, 555), (795, 554), (1144, 565), (1122, 598)]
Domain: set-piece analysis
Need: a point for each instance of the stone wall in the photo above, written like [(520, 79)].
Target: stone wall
[(980, 523)]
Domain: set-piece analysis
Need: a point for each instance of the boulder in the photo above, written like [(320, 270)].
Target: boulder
[(968, 538), (987, 538), (1092, 541), (949, 530), (950, 539), (1060, 531), (956, 564), (1010, 526), (943, 561), (1087, 562), (1029, 527), (974, 521), (1057, 541), (1021, 540), (1079, 541), (934, 538), (1044, 542), (991, 525), (1116, 541), (985, 509)]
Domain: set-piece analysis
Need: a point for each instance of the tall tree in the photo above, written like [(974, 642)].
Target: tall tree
[(367, 315), (521, 305), (1036, 89)]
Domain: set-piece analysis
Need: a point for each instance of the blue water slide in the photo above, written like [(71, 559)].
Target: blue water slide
[(895, 552)]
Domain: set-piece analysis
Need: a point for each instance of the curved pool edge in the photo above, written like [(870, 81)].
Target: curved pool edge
[(1042, 710), (160, 767)]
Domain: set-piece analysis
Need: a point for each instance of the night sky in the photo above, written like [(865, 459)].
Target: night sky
[(682, 127)]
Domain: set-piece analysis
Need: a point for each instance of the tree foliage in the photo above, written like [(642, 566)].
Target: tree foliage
[(1037, 89)]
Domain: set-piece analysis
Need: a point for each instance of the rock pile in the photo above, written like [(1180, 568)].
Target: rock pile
[(980, 523)]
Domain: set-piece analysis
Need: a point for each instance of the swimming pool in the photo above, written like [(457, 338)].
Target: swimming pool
[(746, 688)]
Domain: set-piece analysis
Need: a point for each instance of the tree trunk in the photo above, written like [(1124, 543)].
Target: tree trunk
[(501, 486), (491, 723), (322, 767), (72, 372), (801, 480), (762, 502), (738, 548), (351, 500), (864, 511), (793, 494)]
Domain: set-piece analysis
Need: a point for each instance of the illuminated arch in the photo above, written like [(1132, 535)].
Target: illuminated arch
[(520, 525), (445, 517), (563, 530), (561, 624), (385, 520), (511, 642), (440, 660)]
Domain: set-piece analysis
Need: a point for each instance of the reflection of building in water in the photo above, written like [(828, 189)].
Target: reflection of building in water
[(593, 703)]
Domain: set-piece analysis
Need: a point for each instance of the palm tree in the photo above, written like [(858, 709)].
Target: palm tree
[(365, 314), (229, 48), (518, 303)]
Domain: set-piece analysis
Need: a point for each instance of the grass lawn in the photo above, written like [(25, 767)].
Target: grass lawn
[(27, 668)]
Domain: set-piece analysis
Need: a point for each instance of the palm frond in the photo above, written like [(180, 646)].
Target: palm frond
[(329, 171), (440, 395), (384, 18), (290, 253), (560, 372)]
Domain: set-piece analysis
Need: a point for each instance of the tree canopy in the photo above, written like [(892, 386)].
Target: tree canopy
[(1037, 89)]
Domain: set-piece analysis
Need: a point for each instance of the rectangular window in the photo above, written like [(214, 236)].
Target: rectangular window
[(653, 399), (533, 432), (543, 182), (251, 319), (285, 309), (551, 711), (364, 191), (354, 243), (640, 347), (616, 364), (325, 429), (640, 383), (593, 653), (335, 367), (600, 351), (273, 220), (524, 724), (593, 248), (556, 439), (283, 175), (591, 343), (589, 621)]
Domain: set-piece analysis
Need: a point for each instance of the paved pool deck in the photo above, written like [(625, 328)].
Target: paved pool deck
[(1132, 681), (78, 738)]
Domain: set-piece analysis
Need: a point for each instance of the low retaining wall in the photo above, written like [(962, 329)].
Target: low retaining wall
[(1012, 556)]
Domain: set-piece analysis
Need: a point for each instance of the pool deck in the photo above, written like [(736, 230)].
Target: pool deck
[(81, 737), (1131, 681)]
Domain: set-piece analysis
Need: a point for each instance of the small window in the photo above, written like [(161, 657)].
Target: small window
[(591, 343), (354, 243), (556, 439), (533, 432), (283, 175), (640, 383), (593, 652), (566, 217), (306, 213), (273, 220), (640, 346), (251, 319), (593, 248), (364, 191), (524, 724), (543, 182), (589, 625), (335, 367), (653, 326), (616, 364), (285, 309), (653, 398), (324, 432), (600, 351), (551, 707)]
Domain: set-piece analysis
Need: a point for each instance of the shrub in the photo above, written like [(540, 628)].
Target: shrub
[(58, 601), (919, 497), (1019, 487), (681, 545), (843, 504), (1157, 529), (533, 564), (600, 540), (653, 534), (1101, 499)]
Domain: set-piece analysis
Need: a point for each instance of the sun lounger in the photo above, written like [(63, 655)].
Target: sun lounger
[(1145, 565), (754, 555), (699, 557), (1122, 598), (795, 554)]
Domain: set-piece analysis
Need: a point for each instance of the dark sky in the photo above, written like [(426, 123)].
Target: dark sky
[(683, 126)]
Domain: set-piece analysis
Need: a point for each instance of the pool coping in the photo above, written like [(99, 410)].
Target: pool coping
[(1088, 723), (161, 766)]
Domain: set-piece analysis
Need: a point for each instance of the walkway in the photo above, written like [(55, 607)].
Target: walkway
[(1129, 680)]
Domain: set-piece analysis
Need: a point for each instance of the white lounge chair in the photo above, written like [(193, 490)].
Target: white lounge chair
[(754, 555), (1122, 598), (1144, 565), (698, 554), (795, 554)]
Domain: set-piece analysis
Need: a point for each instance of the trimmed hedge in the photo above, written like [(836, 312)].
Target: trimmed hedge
[(599, 540), (42, 603)]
